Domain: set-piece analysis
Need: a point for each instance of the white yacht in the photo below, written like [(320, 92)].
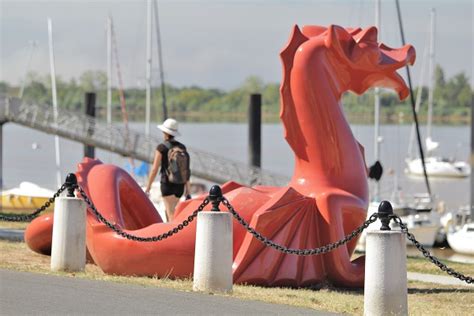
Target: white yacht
[(439, 167), (459, 231), (462, 239), (436, 166), (421, 221)]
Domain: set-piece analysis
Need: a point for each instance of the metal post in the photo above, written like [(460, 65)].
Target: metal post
[(55, 100), (148, 68), (109, 70), (68, 249), (1, 158), (89, 100), (431, 77), (213, 253), (160, 61), (472, 160), (377, 138), (385, 290), (255, 123)]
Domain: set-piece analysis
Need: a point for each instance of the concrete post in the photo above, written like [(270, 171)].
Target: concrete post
[(385, 291), (68, 252), (213, 255)]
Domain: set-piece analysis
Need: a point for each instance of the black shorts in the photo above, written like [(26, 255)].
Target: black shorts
[(168, 189)]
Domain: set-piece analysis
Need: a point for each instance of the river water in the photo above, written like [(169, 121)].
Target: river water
[(28, 155)]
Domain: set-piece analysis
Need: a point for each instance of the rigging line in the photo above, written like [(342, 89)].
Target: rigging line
[(418, 99), (133, 67), (123, 104), (160, 61), (412, 99), (32, 45)]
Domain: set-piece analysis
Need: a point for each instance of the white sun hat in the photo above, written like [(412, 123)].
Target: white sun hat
[(170, 127)]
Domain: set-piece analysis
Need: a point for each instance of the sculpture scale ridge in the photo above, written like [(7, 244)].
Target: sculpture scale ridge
[(326, 198)]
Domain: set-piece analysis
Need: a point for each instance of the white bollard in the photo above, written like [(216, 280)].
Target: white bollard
[(213, 255), (68, 251), (385, 290)]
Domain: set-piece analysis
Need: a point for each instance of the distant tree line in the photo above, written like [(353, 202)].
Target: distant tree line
[(452, 98)]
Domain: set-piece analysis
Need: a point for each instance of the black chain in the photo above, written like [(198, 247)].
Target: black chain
[(29, 217), (300, 252), (120, 232), (428, 255)]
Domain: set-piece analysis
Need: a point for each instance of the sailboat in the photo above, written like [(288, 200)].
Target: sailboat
[(460, 231), (27, 196), (418, 214), (460, 225), (436, 166)]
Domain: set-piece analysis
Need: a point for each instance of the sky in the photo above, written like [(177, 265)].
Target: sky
[(214, 44)]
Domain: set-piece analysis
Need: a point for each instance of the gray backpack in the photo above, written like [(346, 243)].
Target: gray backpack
[(178, 170)]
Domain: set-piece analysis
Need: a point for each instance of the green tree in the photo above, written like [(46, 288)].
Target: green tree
[(4, 88), (93, 80)]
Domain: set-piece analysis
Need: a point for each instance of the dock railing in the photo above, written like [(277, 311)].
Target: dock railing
[(127, 142)]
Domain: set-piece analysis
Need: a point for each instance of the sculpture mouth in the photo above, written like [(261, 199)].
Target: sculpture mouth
[(394, 59), (397, 58)]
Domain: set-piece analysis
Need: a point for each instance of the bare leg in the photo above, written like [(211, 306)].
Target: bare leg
[(170, 203)]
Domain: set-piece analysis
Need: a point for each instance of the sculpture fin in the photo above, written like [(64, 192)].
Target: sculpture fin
[(293, 134), (286, 219)]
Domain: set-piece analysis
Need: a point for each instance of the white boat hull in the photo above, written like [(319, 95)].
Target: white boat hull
[(425, 235), (439, 167), (462, 240), (424, 227)]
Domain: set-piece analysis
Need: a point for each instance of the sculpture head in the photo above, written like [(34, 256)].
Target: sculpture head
[(356, 57), (319, 65), (370, 64)]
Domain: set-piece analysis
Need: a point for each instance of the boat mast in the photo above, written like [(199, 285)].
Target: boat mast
[(160, 61), (55, 100), (418, 101), (413, 106), (472, 162), (432, 80), (123, 104), (148, 67), (377, 138), (109, 70), (23, 82)]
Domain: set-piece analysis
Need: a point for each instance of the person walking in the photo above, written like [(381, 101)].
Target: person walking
[(173, 159)]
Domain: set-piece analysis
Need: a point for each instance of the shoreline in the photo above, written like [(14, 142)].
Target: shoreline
[(273, 118)]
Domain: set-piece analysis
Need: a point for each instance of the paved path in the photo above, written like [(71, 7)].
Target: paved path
[(12, 234), (440, 279), (23, 293)]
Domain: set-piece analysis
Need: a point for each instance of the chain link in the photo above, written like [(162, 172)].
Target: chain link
[(29, 217), (120, 231), (300, 252), (257, 235), (428, 255)]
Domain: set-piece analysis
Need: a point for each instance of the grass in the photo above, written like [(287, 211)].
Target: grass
[(423, 298)]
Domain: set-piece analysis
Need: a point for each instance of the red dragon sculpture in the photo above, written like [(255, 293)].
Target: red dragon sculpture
[(326, 198)]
